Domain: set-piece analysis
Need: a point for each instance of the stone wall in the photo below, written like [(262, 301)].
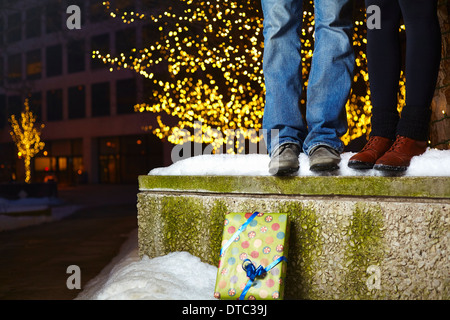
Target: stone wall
[(341, 247)]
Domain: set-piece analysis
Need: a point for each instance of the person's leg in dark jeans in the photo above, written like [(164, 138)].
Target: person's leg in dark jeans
[(423, 56), (384, 63), (422, 64)]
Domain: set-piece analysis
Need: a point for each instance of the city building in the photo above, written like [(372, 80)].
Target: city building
[(92, 133)]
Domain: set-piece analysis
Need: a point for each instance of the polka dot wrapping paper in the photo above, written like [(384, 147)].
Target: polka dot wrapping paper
[(264, 240)]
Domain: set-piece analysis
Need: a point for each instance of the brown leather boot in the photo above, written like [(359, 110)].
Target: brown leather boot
[(399, 156), (372, 151)]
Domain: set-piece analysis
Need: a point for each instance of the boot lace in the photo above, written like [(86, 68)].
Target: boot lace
[(398, 143), (370, 143)]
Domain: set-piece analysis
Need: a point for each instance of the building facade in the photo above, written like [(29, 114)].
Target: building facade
[(92, 133)]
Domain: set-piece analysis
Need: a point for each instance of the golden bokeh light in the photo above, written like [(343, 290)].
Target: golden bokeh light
[(211, 56)]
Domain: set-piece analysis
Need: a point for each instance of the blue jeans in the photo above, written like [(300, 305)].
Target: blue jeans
[(329, 80)]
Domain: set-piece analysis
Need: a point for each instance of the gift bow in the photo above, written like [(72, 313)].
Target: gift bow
[(253, 272)]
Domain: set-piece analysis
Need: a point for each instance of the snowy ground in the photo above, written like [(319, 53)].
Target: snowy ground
[(176, 276), (432, 163), (179, 275), (12, 217)]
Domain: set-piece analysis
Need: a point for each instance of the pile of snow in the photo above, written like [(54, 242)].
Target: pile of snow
[(176, 276), (432, 163), (13, 212)]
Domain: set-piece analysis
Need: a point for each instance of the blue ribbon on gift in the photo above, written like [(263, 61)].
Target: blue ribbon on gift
[(253, 272), (238, 232), (247, 265)]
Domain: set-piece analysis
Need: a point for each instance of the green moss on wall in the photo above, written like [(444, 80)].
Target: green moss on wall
[(184, 224), (173, 223), (365, 249), (304, 248), (216, 217)]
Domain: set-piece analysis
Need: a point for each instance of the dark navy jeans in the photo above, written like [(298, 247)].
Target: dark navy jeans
[(422, 59)]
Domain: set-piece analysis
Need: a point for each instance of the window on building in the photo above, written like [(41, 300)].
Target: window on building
[(149, 86), (14, 28), (8, 162), (123, 159), (99, 43), (53, 60), (53, 16), (61, 160), (126, 92), (34, 64), (100, 99), (97, 11), (35, 103), (109, 159), (2, 30), (150, 33), (149, 3), (76, 56), (15, 68), (125, 5), (125, 40), (15, 105), (33, 22), (138, 154), (2, 70), (77, 102), (3, 112), (55, 105)]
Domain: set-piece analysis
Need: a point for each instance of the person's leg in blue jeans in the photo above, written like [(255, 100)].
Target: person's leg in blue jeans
[(283, 72), (329, 80), (331, 75)]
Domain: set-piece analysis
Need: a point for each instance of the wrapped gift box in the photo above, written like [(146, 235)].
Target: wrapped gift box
[(258, 239)]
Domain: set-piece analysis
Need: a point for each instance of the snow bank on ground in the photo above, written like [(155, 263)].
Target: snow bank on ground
[(432, 163), (176, 276), (12, 212)]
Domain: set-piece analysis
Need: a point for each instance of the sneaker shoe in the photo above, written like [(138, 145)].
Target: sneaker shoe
[(372, 151), (399, 156), (284, 160), (324, 158)]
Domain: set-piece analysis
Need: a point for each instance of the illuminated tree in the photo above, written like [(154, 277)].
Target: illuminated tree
[(211, 54), (27, 137)]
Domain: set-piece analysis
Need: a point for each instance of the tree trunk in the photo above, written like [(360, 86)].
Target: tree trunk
[(27, 161), (440, 117)]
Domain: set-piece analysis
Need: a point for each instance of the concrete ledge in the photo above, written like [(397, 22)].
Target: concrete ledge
[(351, 237), (370, 186)]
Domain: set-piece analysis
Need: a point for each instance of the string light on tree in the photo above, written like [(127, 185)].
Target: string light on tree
[(27, 137), (211, 54)]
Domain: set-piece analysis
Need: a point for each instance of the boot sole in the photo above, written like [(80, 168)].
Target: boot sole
[(323, 167), (283, 171), (360, 165), (384, 167)]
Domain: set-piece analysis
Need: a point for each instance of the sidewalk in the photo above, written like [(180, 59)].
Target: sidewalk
[(34, 259)]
